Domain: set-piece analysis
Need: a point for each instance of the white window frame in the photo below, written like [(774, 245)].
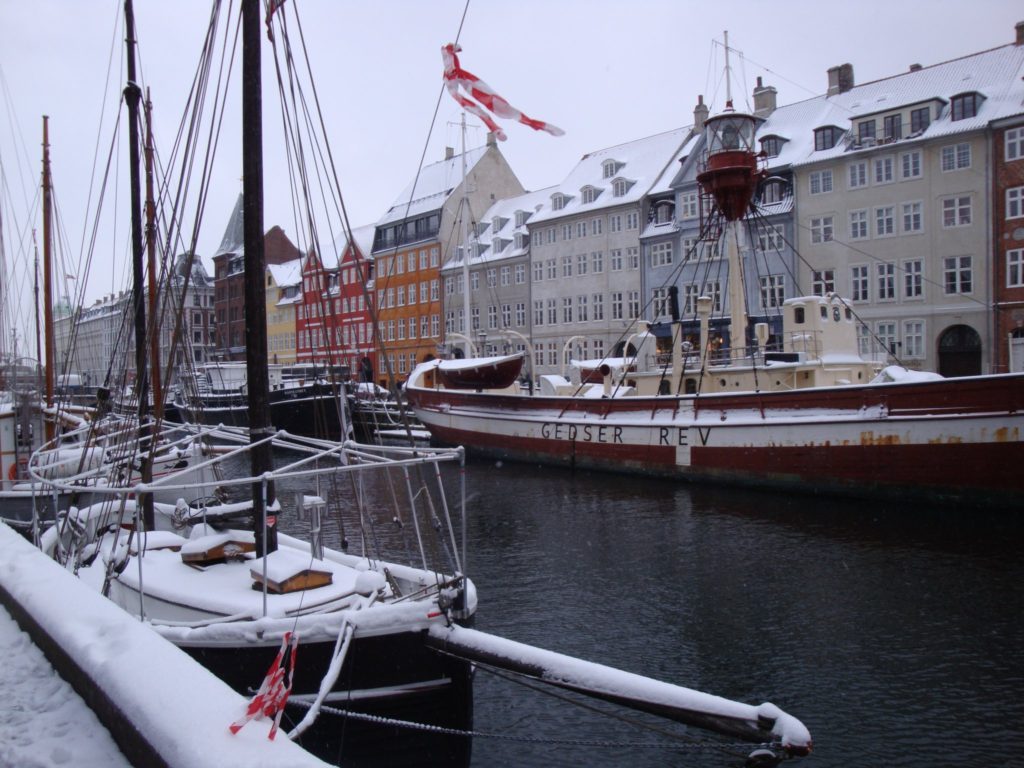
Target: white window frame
[(958, 275), (860, 282), (910, 164), (1015, 203), (661, 254), (820, 182), (913, 279), (883, 170), (822, 229), (885, 275), (1013, 144), (912, 215), (859, 228), (885, 221), (913, 338), (1015, 268), (857, 176), (955, 157), (957, 211)]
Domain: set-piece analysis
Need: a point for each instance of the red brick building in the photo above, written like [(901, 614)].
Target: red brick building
[(1008, 238), (229, 276)]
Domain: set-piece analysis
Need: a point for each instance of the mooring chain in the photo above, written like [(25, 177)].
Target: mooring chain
[(362, 716)]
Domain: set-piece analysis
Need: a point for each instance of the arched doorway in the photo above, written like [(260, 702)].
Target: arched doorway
[(960, 351)]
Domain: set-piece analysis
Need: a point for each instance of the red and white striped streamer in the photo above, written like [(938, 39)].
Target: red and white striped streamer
[(456, 77)]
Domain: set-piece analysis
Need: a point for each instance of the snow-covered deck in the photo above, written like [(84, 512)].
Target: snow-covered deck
[(161, 706)]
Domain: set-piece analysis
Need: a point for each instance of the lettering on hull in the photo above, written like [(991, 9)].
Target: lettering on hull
[(610, 434)]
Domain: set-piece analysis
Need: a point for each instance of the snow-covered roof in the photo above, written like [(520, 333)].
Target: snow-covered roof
[(664, 182), (234, 234), (361, 236), (429, 190), (289, 273), (639, 163), (994, 74), (489, 245)]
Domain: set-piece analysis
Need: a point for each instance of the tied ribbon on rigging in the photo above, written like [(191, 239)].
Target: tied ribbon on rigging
[(273, 694), (455, 76)]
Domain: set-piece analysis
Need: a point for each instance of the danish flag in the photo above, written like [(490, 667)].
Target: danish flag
[(455, 77)]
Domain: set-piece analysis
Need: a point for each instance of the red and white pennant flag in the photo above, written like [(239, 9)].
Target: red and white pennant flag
[(455, 77), (273, 694)]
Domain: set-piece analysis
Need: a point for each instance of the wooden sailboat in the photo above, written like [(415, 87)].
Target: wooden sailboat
[(31, 415), (217, 579)]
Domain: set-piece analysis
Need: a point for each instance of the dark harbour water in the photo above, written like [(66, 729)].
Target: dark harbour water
[(895, 633)]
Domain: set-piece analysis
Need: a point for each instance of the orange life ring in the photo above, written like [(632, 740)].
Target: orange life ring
[(12, 473)]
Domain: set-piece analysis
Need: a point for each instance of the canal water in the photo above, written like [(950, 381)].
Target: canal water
[(894, 632)]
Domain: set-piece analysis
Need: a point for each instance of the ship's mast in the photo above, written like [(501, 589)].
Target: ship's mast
[(132, 95), (49, 357), (464, 239), (730, 177), (257, 377)]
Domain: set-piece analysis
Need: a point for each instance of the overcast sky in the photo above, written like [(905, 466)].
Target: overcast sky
[(605, 71)]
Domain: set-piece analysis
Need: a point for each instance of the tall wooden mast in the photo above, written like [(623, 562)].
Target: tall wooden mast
[(255, 268), (133, 95), (48, 355), (154, 340)]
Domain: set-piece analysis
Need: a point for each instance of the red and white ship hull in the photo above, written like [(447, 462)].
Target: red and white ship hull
[(952, 439)]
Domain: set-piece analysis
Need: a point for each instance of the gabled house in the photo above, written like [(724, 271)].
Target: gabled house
[(585, 252), (492, 268), (229, 281), (419, 233)]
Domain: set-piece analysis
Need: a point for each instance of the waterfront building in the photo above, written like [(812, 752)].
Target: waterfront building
[(494, 266), (229, 272), (96, 343), (585, 252), (894, 200), (284, 292), (1008, 237), (353, 293), (417, 236)]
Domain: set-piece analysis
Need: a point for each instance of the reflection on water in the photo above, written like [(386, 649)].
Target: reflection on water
[(894, 633)]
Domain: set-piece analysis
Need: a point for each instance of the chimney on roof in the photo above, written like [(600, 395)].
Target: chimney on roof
[(764, 99), (492, 140), (915, 67), (1019, 26), (449, 153), (840, 79), (700, 114)]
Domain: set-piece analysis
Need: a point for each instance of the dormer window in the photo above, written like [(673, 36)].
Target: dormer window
[(866, 131), (497, 224), (609, 168), (771, 146), (589, 194), (920, 119), (520, 240), (826, 137), (664, 211), (965, 105), (558, 201), (892, 125), (773, 192), (521, 217), (620, 187)]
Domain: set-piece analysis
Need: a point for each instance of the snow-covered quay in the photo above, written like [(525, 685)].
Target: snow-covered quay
[(160, 706)]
